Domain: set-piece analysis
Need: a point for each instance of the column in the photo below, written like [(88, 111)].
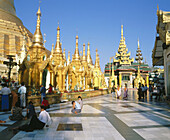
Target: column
[(19, 77), (40, 78), (120, 79), (64, 77), (29, 77), (52, 78), (147, 80), (131, 82)]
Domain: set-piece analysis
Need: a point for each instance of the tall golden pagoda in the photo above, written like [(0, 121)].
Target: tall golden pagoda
[(122, 57), (31, 70), (13, 36)]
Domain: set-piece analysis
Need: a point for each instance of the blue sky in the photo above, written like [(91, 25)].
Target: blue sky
[(96, 21)]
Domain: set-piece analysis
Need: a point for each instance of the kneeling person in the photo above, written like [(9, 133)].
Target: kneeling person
[(76, 107)]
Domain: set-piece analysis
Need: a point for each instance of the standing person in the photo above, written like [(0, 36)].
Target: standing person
[(14, 97), (150, 91), (5, 98), (50, 89), (146, 89), (125, 92), (143, 91), (36, 123), (113, 90), (30, 110), (22, 92), (139, 91), (118, 92), (42, 91), (80, 102), (76, 107)]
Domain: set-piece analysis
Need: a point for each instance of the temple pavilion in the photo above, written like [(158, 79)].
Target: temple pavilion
[(123, 70)]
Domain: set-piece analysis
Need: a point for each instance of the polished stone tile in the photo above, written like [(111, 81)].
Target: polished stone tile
[(154, 133)]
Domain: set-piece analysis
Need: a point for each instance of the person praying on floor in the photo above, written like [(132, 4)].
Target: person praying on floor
[(16, 113), (76, 107), (80, 102), (37, 123), (45, 103), (30, 110)]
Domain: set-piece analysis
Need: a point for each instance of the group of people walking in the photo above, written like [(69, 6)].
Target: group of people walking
[(142, 91), (119, 92)]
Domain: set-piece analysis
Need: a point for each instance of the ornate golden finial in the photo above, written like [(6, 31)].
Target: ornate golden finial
[(76, 53), (97, 65), (68, 60), (84, 53), (89, 60), (58, 43), (121, 31), (138, 43), (64, 54), (38, 38), (52, 50), (157, 7), (58, 28)]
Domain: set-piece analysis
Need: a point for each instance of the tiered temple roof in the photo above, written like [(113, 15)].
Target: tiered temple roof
[(123, 57), (139, 57)]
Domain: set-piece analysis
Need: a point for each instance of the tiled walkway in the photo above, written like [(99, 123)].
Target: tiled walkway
[(102, 118)]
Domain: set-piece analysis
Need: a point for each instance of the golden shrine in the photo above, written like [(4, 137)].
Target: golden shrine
[(123, 70), (39, 67)]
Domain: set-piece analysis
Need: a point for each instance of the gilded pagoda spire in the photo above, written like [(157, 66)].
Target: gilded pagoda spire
[(68, 59), (64, 54), (52, 50), (38, 38), (97, 62), (76, 53), (89, 59), (122, 32), (84, 54), (58, 43), (139, 57)]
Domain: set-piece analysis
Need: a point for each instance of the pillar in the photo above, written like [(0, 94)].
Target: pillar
[(120, 79), (29, 77), (52, 78), (131, 81), (147, 80), (64, 78), (19, 77), (40, 78)]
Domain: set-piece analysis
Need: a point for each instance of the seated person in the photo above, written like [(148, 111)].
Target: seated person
[(16, 113), (36, 123), (30, 110), (76, 107), (45, 103), (80, 101)]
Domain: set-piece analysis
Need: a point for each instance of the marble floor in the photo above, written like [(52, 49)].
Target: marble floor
[(102, 118)]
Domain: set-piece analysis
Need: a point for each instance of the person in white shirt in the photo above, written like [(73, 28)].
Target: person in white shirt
[(37, 123), (5, 98), (22, 92), (80, 102), (76, 107)]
